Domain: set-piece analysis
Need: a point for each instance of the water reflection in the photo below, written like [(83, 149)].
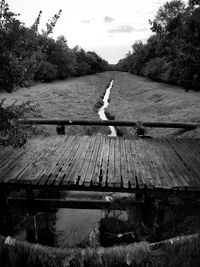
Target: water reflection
[(73, 227)]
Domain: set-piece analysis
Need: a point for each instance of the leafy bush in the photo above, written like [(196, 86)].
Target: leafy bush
[(155, 68), (12, 132), (47, 72)]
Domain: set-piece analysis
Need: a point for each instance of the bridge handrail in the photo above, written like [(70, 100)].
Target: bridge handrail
[(153, 124)]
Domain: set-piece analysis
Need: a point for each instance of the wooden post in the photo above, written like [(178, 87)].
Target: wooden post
[(140, 131), (30, 197), (6, 216), (60, 129), (159, 217)]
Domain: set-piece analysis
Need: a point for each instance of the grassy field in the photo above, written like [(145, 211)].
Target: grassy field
[(132, 98), (74, 98), (139, 99)]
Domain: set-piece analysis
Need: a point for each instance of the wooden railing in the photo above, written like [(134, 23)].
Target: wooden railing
[(62, 122), (184, 125)]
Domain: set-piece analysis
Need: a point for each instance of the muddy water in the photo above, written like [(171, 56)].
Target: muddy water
[(58, 227), (73, 227), (101, 111)]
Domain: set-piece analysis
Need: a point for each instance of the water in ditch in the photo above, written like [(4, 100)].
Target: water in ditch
[(101, 110)]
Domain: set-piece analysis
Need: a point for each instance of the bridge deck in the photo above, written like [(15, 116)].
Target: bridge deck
[(98, 163)]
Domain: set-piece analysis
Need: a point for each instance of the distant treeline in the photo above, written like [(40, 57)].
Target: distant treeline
[(27, 55), (172, 54)]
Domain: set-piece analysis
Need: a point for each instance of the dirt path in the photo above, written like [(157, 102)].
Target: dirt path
[(139, 99)]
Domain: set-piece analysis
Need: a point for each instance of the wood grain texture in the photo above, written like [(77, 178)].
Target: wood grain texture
[(104, 162)]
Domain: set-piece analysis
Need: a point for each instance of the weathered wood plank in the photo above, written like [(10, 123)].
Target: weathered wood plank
[(61, 177), (105, 162), (86, 162), (46, 175), (134, 175), (180, 173), (98, 166), (68, 147), (21, 159), (146, 170), (156, 163), (135, 167), (117, 164), (189, 161), (71, 174), (92, 164), (36, 166), (123, 165), (111, 164)]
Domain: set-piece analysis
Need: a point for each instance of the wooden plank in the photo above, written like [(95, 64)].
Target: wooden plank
[(111, 164), (146, 169), (71, 174), (117, 164), (189, 161), (86, 162), (180, 173), (193, 145), (98, 166), (80, 163), (134, 175), (148, 159), (105, 162), (60, 179), (46, 177), (5, 154), (92, 164), (134, 164), (123, 165), (156, 164), (166, 171), (34, 169), (15, 165), (68, 151)]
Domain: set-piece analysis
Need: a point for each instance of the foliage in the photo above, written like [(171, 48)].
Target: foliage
[(47, 72), (172, 54), (12, 132), (26, 54)]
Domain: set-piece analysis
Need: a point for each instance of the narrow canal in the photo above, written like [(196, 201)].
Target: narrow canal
[(101, 110)]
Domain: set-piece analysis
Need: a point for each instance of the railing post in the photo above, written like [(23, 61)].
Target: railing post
[(60, 129)]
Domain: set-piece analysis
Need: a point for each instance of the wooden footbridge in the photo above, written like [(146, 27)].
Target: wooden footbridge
[(150, 168), (98, 163)]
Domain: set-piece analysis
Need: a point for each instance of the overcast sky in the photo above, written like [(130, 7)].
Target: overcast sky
[(108, 27)]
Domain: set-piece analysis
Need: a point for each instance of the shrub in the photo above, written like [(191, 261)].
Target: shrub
[(47, 72), (12, 132)]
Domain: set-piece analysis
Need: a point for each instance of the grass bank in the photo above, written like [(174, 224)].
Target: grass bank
[(136, 98), (74, 98)]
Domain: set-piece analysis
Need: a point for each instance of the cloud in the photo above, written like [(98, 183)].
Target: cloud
[(87, 21), (141, 30), (122, 29), (108, 19), (126, 29)]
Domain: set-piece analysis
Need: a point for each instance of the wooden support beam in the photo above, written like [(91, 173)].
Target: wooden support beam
[(70, 203), (29, 201), (6, 219)]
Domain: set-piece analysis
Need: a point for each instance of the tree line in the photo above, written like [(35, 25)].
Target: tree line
[(172, 53), (27, 55)]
